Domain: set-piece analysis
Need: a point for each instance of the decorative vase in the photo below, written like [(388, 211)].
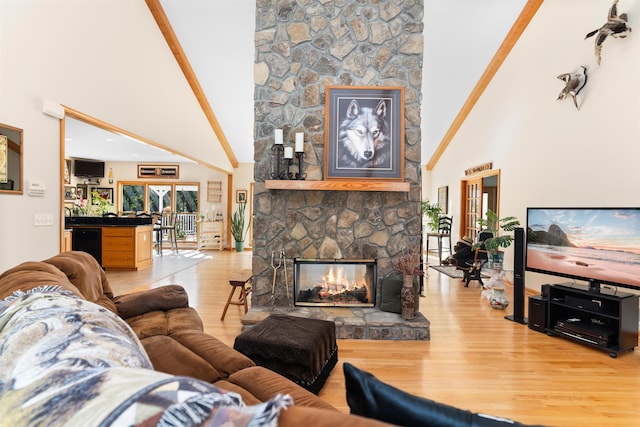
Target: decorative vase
[(498, 299), (239, 246), (408, 298)]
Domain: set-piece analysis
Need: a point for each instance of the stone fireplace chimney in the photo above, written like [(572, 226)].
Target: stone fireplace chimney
[(301, 48)]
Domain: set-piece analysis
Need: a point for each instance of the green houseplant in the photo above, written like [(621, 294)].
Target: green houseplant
[(493, 224), (432, 211), (238, 230)]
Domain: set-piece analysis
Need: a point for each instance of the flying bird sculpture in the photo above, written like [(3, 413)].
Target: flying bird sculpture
[(616, 26), (574, 82)]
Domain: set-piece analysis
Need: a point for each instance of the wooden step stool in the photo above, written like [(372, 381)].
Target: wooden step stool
[(241, 282)]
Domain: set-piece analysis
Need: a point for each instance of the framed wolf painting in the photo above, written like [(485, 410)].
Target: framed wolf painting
[(364, 138)]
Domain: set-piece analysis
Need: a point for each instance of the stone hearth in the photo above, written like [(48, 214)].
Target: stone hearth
[(354, 322)]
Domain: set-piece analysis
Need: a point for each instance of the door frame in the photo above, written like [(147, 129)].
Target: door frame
[(465, 228)]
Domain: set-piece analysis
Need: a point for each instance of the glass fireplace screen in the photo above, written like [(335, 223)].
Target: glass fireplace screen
[(341, 282)]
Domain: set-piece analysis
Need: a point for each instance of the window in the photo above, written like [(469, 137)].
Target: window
[(154, 197), (132, 198), (187, 198), (159, 197)]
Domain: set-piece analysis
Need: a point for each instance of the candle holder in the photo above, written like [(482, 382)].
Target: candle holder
[(289, 174), (300, 175), (279, 149)]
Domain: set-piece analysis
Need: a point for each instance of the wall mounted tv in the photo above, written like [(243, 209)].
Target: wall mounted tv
[(88, 168), (597, 245)]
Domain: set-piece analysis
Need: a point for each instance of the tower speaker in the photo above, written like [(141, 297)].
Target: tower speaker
[(518, 277)]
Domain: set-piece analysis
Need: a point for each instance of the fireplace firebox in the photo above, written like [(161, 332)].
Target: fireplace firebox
[(335, 282)]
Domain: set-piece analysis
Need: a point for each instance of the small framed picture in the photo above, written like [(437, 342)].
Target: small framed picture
[(67, 171), (69, 192), (82, 191), (241, 196), (443, 199), (106, 193), (365, 133)]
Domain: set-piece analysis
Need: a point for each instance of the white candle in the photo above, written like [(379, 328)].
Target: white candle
[(288, 152), (299, 142), (278, 136)]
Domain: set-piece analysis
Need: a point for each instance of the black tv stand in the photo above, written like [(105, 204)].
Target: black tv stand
[(606, 320)]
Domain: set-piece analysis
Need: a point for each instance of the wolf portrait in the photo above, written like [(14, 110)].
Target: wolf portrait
[(363, 137)]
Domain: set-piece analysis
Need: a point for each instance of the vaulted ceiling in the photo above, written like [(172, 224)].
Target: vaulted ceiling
[(216, 38)]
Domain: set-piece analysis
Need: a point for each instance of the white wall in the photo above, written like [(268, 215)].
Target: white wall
[(549, 153), (106, 59)]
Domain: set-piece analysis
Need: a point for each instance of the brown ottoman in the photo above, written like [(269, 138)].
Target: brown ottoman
[(303, 350)]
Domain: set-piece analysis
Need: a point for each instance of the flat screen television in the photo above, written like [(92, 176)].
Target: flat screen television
[(597, 245), (88, 168)]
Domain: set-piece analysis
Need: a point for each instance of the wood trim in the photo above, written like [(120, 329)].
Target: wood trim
[(230, 209), (340, 185), (181, 58), (528, 12), (62, 160)]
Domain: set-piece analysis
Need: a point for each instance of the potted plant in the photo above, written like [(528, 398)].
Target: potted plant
[(493, 224), (409, 266), (238, 230), (432, 211)]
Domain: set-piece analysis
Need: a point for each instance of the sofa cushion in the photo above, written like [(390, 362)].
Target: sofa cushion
[(264, 384), (247, 397), (87, 275), (169, 356), (33, 274), (304, 416), (222, 357), (163, 298), (165, 322), (369, 397)]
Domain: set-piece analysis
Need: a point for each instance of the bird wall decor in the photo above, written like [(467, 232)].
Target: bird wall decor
[(574, 82), (616, 26)]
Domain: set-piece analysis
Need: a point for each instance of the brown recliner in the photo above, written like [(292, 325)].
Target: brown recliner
[(172, 335)]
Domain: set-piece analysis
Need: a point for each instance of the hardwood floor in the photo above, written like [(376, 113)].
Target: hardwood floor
[(475, 360)]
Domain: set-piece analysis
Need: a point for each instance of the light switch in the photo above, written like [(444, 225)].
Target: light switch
[(43, 220)]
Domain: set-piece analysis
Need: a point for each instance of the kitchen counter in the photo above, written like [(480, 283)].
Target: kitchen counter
[(117, 243), (79, 221)]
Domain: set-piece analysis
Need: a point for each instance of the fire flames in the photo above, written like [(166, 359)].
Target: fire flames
[(336, 287)]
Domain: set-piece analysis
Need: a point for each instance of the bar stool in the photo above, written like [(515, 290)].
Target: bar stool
[(243, 298)]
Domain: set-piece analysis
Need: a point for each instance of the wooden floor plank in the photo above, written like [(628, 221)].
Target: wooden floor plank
[(475, 360)]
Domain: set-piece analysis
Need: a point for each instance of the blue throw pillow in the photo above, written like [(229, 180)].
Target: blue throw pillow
[(369, 397)]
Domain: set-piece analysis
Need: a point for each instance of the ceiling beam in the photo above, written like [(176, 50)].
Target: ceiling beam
[(172, 40), (528, 12)]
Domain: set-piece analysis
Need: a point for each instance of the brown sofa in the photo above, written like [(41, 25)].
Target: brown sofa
[(172, 335)]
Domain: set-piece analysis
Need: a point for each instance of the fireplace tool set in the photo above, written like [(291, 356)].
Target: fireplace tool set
[(281, 263)]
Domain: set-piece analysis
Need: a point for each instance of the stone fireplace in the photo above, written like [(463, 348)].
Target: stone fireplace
[(334, 283), (301, 48)]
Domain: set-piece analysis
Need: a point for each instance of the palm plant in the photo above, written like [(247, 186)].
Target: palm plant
[(494, 224)]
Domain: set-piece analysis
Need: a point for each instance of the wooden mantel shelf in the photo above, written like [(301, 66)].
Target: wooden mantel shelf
[(338, 185)]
